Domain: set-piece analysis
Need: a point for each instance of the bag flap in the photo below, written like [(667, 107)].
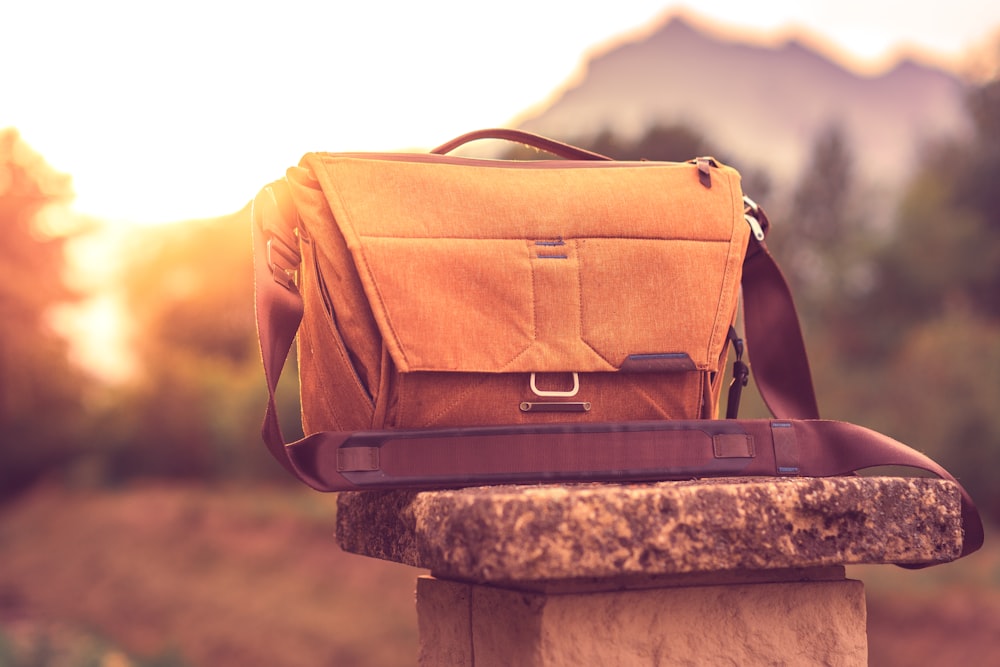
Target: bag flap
[(549, 266)]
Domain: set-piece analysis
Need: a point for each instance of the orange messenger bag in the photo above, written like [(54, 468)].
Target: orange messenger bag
[(467, 321)]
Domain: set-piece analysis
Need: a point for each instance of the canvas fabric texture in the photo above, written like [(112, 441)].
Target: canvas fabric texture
[(435, 286)]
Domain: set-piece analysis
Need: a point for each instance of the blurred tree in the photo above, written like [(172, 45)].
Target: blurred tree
[(923, 357), (195, 408), (40, 391), (945, 253), (942, 397), (665, 143), (977, 190), (661, 142), (826, 240)]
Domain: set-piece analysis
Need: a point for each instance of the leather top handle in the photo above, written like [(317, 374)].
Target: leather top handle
[(557, 148)]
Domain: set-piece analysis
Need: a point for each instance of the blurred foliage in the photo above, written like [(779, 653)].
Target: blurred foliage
[(195, 407), (668, 143), (826, 237), (675, 143), (40, 403), (929, 326), (62, 647), (902, 318)]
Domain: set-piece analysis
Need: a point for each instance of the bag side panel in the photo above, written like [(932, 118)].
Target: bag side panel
[(340, 354)]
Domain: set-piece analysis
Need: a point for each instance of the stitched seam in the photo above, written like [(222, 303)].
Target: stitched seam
[(579, 287), (612, 237), (534, 318)]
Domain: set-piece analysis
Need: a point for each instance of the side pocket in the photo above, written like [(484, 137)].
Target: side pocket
[(342, 348), (332, 392)]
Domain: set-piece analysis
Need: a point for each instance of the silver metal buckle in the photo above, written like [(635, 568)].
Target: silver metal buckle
[(286, 277), (750, 209), (551, 393)]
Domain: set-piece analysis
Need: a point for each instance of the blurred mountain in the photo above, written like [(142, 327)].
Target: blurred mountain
[(761, 106)]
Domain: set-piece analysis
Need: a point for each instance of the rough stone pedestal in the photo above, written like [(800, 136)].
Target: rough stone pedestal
[(741, 572)]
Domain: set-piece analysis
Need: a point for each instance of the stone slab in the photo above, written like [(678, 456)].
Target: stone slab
[(812, 623), (555, 532)]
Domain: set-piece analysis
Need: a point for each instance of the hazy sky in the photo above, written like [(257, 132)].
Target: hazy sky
[(171, 110)]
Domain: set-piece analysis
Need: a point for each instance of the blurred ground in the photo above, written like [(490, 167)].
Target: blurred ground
[(171, 575), (218, 577), (941, 616)]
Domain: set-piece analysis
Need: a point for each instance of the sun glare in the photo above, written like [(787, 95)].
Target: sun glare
[(98, 331), (153, 131), (97, 328)]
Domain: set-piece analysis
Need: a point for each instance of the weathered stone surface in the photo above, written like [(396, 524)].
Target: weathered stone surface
[(525, 533), (814, 623)]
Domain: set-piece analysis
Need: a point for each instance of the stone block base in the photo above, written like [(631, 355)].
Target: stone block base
[(745, 571), (776, 623)]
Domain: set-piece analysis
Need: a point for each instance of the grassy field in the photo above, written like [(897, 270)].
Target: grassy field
[(174, 576)]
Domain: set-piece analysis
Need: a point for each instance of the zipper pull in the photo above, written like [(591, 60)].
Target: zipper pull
[(750, 212)]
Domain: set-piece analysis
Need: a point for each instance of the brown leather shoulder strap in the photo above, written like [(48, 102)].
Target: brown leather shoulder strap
[(278, 305), (664, 450), (778, 359)]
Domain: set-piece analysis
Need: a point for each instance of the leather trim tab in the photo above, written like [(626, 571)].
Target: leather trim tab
[(733, 445), (357, 459), (664, 362)]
